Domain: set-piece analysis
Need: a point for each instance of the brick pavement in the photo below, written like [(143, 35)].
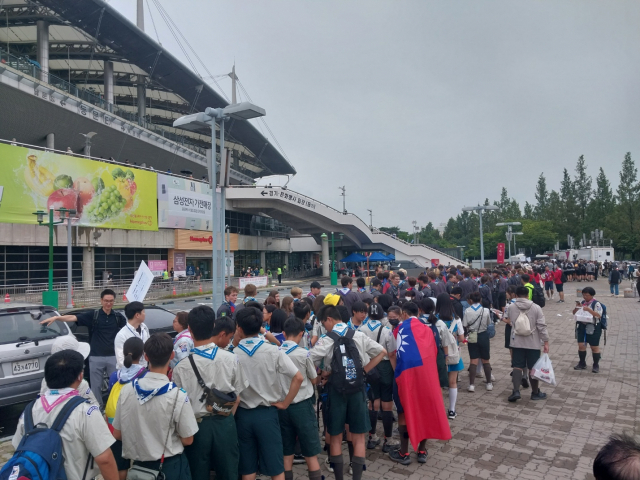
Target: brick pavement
[(551, 439)]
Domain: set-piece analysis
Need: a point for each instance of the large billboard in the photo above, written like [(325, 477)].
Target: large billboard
[(105, 195), (184, 203)]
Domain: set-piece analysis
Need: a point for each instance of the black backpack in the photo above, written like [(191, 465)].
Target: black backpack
[(347, 372), (120, 322), (538, 296)]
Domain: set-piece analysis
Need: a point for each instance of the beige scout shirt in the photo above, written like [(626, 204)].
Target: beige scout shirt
[(371, 328), (218, 368), (144, 427), (536, 321), (323, 350), (83, 389), (85, 433), (262, 362), (302, 360), (476, 318)]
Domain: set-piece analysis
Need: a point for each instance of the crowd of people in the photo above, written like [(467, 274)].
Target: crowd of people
[(240, 391)]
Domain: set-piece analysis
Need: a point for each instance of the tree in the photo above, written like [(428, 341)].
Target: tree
[(582, 190), (542, 197), (569, 206), (402, 235), (602, 203), (529, 211), (625, 221)]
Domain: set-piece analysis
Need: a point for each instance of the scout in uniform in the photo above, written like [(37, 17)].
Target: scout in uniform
[(69, 342), (381, 390), (223, 330), (85, 433), (299, 420), (183, 343), (135, 327), (228, 307), (153, 418), (257, 422), (346, 409), (219, 370)]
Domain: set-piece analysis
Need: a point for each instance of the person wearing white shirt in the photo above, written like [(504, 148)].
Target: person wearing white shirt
[(135, 327)]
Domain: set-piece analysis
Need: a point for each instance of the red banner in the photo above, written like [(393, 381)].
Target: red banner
[(500, 253), (435, 262)]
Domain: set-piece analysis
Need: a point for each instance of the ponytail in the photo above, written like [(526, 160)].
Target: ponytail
[(132, 350), (128, 360)]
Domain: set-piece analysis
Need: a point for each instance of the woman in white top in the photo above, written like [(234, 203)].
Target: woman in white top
[(477, 320)]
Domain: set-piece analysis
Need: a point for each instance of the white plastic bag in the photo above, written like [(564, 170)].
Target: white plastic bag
[(583, 316), (543, 370)]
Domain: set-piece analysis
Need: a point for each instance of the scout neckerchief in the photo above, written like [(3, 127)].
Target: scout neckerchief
[(288, 346), (145, 395), (250, 345), (340, 328), (248, 299), (207, 351), (53, 398), (125, 375), (232, 305)]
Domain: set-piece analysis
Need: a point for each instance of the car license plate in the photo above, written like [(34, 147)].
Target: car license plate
[(25, 366)]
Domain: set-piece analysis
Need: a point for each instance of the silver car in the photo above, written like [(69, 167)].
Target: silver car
[(25, 346)]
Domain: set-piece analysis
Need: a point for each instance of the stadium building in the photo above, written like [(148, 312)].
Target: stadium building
[(88, 101)]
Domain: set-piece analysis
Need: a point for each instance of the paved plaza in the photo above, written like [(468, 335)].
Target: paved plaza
[(556, 438)]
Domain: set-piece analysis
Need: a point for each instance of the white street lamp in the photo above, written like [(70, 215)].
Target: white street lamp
[(208, 119), (480, 209)]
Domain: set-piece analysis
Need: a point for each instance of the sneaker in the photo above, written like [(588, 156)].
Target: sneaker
[(596, 368), (479, 374), (387, 447), (329, 465), (471, 388), (373, 442), (452, 415), (525, 382), (580, 366), (538, 396), (493, 379), (514, 396), (489, 386), (422, 457), (396, 456), (350, 468), (298, 459)]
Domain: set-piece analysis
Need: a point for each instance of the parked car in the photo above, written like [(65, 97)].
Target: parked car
[(25, 346), (412, 268)]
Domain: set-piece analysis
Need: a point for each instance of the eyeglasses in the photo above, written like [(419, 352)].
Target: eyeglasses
[(108, 301)]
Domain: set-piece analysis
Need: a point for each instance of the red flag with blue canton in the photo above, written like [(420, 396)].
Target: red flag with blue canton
[(418, 383)]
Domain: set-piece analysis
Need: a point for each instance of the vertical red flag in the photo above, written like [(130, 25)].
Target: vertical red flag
[(435, 262), (500, 253), (418, 383)]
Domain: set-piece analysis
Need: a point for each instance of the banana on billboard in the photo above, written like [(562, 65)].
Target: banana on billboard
[(104, 195)]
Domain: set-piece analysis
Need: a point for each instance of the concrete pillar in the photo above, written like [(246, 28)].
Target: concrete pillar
[(286, 261), (108, 85), (42, 36), (263, 260), (51, 141), (326, 261), (140, 14), (88, 267), (142, 101)]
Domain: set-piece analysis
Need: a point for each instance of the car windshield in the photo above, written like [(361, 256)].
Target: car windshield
[(158, 319), (25, 326)]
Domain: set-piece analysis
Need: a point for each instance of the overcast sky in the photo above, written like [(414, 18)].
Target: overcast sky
[(422, 107)]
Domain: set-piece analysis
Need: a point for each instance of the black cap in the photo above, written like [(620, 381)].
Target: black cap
[(315, 285)]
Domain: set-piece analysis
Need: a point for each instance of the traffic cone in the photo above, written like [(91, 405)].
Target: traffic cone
[(174, 290), (200, 288), (7, 298), (124, 297)]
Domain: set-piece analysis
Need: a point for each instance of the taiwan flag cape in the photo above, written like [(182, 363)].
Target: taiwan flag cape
[(418, 383)]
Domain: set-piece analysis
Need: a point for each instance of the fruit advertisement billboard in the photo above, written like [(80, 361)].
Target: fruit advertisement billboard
[(105, 195)]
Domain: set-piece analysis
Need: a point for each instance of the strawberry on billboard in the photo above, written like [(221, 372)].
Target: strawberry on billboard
[(104, 195)]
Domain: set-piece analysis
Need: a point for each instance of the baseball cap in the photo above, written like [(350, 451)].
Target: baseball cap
[(69, 342), (315, 285), (331, 299)]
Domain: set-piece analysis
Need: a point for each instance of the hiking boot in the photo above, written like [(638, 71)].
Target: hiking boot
[(422, 457), (298, 459), (387, 447), (396, 456), (525, 382), (515, 396), (580, 366), (471, 388), (452, 415), (489, 386), (538, 395), (373, 442), (596, 368)]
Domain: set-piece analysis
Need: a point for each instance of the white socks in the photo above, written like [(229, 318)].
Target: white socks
[(453, 396)]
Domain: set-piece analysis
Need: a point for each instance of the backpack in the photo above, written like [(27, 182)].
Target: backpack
[(603, 318), (39, 454), (94, 324), (347, 372), (563, 278), (538, 296), (453, 355), (522, 325)]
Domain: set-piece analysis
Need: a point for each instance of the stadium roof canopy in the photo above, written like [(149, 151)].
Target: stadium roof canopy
[(84, 34)]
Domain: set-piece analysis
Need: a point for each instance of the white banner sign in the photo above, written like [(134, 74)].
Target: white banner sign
[(184, 203), (141, 283), (257, 281)]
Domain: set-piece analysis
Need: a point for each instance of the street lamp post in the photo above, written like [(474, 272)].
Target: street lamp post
[(514, 241), (334, 274), (509, 234), (480, 209), (50, 297), (208, 120), (370, 218)]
